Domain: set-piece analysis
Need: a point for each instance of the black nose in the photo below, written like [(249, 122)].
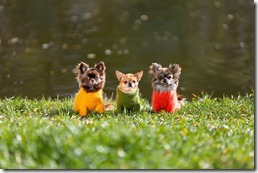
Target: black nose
[(130, 84), (165, 80)]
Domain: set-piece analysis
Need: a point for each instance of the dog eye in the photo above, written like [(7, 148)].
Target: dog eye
[(125, 82), (161, 77), (169, 77), (134, 81)]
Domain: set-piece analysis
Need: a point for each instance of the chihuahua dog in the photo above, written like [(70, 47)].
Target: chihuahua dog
[(127, 92), (164, 83), (91, 83)]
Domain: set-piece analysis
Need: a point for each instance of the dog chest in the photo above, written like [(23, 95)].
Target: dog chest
[(164, 101), (127, 100), (90, 99)]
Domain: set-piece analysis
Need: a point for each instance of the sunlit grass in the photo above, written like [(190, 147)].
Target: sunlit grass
[(206, 133)]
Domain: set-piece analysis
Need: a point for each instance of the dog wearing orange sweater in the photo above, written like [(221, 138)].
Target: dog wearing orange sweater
[(91, 83), (164, 83)]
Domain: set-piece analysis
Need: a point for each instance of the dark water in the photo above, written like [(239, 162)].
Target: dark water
[(42, 41)]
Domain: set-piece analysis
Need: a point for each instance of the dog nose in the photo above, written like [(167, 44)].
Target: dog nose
[(130, 84), (165, 81)]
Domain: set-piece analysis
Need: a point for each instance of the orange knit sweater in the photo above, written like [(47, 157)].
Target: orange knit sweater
[(88, 101)]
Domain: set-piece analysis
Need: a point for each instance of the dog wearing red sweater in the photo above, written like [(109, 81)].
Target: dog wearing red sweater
[(165, 81)]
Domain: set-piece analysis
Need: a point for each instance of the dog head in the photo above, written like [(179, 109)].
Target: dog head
[(163, 78), (91, 79), (128, 83)]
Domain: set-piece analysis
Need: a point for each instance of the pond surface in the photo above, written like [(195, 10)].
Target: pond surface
[(42, 41)]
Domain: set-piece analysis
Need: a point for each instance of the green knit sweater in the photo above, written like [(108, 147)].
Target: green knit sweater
[(127, 102)]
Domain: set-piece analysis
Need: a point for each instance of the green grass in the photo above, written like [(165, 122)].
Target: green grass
[(206, 133)]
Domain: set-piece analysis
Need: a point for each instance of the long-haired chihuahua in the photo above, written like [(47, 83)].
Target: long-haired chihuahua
[(91, 82), (165, 81)]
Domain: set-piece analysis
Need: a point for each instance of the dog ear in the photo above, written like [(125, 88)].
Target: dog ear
[(81, 68), (119, 75), (154, 67), (175, 69), (138, 75), (100, 66)]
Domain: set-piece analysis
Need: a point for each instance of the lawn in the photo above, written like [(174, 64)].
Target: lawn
[(207, 133)]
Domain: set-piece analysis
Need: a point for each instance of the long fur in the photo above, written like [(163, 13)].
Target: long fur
[(91, 83), (165, 81)]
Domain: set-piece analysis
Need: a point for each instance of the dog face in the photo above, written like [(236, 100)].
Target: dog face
[(91, 79), (128, 83), (163, 78)]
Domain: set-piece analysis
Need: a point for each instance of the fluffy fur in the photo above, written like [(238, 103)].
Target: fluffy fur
[(91, 83), (165, 81), (127, 93)]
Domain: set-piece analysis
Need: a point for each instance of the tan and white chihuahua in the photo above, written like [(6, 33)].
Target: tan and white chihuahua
[(127, 92)]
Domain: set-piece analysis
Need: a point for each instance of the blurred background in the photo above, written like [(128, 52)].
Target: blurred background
[(42, 41)]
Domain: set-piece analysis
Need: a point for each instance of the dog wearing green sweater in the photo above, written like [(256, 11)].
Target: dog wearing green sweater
[(127, 92)]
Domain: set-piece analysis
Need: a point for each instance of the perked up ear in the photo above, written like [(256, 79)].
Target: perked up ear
[(81, 68), (119, 75), (138, 75), (175, 69), (154, 67), (100, 66)]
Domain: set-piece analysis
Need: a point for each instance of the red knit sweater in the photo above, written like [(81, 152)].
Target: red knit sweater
[(166, 101)]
